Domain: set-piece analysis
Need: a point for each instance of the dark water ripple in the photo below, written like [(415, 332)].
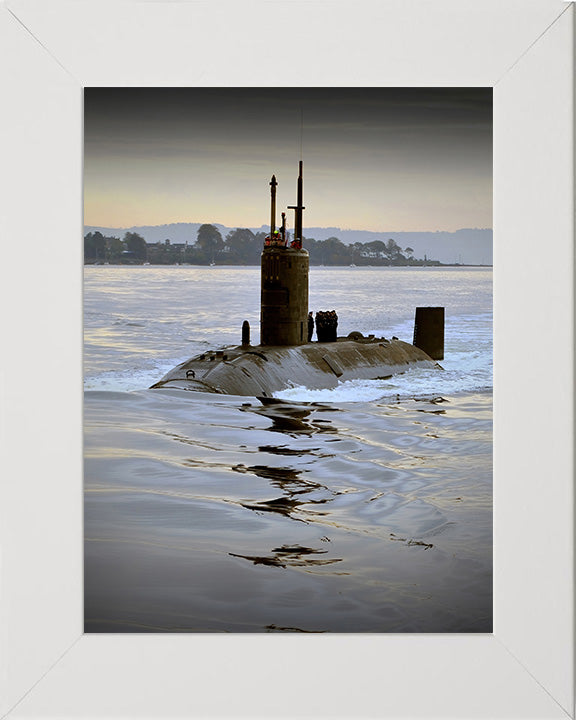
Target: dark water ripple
[(211, 514)]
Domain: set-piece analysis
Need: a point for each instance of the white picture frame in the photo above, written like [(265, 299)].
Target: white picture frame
[(50, 50)]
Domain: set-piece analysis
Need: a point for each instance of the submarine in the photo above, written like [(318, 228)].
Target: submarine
[(286, 356)]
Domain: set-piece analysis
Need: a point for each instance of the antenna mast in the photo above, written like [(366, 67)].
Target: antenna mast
[(298, 209), (301, 130)]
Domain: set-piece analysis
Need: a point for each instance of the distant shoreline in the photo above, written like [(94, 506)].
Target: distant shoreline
[(426, 264), (167, 244)]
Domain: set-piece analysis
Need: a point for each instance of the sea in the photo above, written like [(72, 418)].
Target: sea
[(366, 508)]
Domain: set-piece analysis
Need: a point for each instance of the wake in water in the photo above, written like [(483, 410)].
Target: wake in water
[(467, 367)]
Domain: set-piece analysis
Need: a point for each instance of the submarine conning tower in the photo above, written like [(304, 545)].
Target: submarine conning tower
[(284, 279)]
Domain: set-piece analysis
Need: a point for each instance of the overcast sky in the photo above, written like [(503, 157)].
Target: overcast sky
[(374, 158)]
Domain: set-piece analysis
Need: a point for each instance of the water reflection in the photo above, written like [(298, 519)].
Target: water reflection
[(291, 418), (287, 556), (285, 478), (274, 450), (350, 520), (287, 506), (275, 628)]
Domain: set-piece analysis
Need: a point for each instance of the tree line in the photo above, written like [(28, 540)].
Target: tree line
[(239, 247), (99, 248)]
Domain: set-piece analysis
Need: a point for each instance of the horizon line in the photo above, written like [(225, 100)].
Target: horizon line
[(263, 225)]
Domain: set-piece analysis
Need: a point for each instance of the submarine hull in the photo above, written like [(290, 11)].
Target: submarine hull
[(261, 371), (284, 359)]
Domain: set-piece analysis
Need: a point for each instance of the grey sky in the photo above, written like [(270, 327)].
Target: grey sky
[(374, 158)]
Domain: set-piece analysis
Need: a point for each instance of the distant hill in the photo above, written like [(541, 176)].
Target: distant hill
[(469, 246)]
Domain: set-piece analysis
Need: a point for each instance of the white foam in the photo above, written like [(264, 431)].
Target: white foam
[(465, 370), (349, 391), (131, 378)]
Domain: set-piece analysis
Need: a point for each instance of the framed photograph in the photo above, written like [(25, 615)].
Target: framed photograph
[(51, 52)]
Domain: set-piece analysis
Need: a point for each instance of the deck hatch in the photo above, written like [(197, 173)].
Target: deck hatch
[(333, 365)]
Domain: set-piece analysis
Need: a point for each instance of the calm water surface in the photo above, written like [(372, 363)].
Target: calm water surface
[(367, 508)]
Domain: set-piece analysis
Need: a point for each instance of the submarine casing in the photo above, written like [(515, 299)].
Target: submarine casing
[(263, 370)]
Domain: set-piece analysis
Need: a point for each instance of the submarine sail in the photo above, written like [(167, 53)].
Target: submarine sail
[(284, 281)]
